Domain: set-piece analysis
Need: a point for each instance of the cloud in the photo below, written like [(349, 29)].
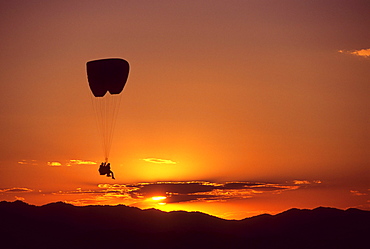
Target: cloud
[(141, 194), (361, 52), (27, 162), (72, 162), (105, 194), (357, 193), (300, 182), (158, 160), (80, 162), (272, 188), (19, 198), (202, 190), (54, 164), (15, 189)]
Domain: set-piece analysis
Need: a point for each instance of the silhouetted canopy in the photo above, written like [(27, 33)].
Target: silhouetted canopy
[(107, 75)]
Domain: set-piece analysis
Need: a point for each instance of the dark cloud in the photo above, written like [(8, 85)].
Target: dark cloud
[(187, 198), (177, 188), (240, 185), (179, 192), (205, 191), (271, 188)]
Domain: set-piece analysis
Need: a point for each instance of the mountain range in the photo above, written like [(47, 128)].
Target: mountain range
[(61, 225)]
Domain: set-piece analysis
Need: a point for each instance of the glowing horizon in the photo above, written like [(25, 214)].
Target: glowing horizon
[(233, 108)]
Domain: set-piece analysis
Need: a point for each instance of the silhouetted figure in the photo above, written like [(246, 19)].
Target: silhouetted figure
[(109, 171), (104, 169)]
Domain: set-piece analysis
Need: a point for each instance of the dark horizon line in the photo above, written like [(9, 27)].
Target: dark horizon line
[(20, 202)]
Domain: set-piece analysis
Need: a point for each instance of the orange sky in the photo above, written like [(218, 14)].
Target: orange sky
[(269, 93)]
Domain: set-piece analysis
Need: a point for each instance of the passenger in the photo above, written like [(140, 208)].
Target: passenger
[(109, 171), (104, 169)]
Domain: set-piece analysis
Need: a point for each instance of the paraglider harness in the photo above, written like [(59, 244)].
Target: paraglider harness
[(104, 169)]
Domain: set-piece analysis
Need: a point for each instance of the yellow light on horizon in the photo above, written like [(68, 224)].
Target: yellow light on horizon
[(158, 198)]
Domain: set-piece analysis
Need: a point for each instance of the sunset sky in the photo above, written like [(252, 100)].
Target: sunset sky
[(232, 108)]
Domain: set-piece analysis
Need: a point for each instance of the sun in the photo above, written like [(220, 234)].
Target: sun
[(158, 198)]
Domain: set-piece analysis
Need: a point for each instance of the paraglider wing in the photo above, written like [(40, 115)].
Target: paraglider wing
[(107, 75), (107, 78)]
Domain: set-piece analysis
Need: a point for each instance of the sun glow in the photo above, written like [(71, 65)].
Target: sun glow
[(158, 198)]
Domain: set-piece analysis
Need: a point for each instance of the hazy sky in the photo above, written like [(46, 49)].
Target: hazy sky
[(272, 96)]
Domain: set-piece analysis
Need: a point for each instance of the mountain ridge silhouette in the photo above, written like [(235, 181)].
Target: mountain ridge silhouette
[(62, 225)]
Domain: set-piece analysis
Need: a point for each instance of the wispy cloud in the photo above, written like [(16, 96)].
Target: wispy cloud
[(80, 162), (15, 190), (158, 160), (361, 52), (27, 162), (72, 162), (19, 198), (358, 193)]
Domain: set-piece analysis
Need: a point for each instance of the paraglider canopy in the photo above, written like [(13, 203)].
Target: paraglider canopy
[(107, 78), (107, 75)]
